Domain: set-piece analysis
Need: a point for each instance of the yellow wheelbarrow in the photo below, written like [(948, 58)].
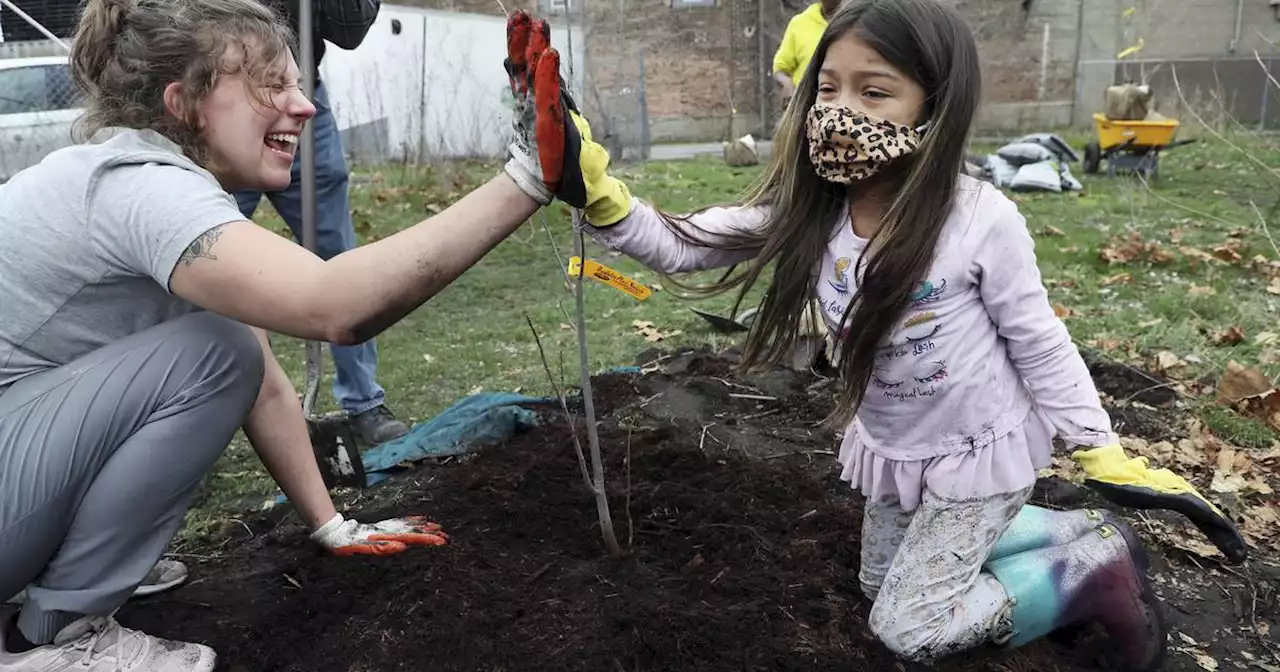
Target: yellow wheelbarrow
[(1132, 146)]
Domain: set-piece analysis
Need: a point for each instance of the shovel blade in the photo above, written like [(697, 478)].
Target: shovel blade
[(337, 452), (720, 323)]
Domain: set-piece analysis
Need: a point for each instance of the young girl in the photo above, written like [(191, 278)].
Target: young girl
[(135, 306), (957, 374)]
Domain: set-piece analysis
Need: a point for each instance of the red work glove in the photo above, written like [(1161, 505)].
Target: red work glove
[(553, 154), (546, 150), (349, 537)]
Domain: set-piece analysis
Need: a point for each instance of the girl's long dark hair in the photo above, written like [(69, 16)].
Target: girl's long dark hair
[(931, 43)]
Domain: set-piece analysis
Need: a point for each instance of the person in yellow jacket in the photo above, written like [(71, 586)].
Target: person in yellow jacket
[(798, 44)]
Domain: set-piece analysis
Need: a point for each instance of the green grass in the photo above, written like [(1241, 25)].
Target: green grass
[(474, 337)]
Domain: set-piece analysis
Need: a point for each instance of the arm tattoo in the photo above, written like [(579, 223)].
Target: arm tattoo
[(202, 246)]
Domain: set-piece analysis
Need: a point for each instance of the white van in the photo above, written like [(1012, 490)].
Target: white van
[(38, 107)]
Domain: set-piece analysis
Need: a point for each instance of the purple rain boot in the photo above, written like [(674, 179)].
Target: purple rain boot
[(1099, 577)]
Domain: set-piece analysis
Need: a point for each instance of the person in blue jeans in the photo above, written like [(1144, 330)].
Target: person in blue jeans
[(345, 23)]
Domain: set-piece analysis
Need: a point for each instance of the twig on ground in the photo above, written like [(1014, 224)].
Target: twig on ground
[(800, 452), (577, 445), (702, 442), (1145, 390), (728, 383), (757, 397), (631, 526), (540, 571), (757, 416)]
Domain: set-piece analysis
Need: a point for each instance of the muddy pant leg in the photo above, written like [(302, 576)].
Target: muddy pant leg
[(936, 600), (100, 458), (884, 525)]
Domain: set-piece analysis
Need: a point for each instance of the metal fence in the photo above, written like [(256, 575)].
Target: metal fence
[(37, 88), (616, 98)]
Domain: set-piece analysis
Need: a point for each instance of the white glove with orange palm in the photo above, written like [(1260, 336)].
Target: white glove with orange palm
[(348, 537)]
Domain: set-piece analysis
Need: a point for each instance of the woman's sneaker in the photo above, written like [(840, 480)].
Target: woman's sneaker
[(100, 644), (165, 575)]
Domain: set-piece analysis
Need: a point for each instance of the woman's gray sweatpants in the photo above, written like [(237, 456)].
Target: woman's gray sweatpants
[(100, 459)]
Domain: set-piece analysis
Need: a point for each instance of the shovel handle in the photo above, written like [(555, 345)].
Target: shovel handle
[(307, 159), (313, 380)]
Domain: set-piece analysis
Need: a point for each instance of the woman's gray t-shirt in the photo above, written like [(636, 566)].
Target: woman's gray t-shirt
[(88, 240)]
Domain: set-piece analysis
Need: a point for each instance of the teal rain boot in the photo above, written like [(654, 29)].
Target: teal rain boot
[(1099, 577), (1035, 527)]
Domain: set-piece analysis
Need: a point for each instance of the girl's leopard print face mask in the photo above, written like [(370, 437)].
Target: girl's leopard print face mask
[(846, 146)]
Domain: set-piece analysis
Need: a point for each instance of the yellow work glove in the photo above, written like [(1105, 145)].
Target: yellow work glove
[(1130, 483), (551, 157), (608, 199)]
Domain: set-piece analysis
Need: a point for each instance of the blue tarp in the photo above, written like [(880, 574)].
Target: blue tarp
[(483, 419), (478, 420)]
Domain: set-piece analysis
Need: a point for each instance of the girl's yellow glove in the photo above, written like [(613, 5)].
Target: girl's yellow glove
[(1130, 483)]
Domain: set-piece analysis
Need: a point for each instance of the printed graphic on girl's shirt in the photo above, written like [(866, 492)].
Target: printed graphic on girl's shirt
[(839, 279), (927, 292), (919, 330), (923, 382)]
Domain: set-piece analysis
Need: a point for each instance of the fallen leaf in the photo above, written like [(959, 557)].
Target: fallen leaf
[(1194, 254), (1117, 278), (1266, 338), (1053, 231), (1250, 392), (1190, 454), (1274, 287), (1187, 638), (1232, 336), (1105, 344), (1122, 252), (651, 333), (1197, 290), (1159, 255), (1150, 323), (1205, 661), (1260, 523), (1228, 252), (1230, 473), (1167, 361), (1239, 383), (1062, 311)]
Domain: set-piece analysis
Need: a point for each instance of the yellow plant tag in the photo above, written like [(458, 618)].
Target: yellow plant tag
[(601, 273)]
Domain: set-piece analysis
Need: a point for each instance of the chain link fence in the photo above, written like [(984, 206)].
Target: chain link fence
[(37, 88), (616, 97)]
